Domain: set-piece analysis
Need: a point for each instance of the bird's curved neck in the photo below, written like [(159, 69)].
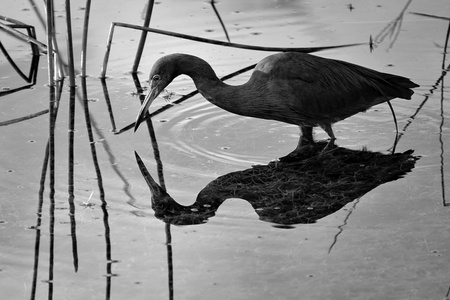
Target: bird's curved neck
[(208, 84)]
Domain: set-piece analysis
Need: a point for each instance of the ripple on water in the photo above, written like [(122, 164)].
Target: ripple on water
[(202, 130), (197, 129)]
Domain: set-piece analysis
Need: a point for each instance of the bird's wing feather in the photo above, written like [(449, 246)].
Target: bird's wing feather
[(329, 90)]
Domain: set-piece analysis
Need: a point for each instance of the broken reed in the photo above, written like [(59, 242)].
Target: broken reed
[(208, 41)]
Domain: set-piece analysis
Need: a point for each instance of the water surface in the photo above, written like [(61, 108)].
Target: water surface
[(390, 243)]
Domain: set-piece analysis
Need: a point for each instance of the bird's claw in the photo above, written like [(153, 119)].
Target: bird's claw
[(330, 146), (307, 150)]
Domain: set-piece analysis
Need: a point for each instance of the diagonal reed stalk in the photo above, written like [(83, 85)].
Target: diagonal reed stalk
[(213, 4), (17, 120), (392, 29), (21, 36), (209, 41), (35, 52), (431, 16)]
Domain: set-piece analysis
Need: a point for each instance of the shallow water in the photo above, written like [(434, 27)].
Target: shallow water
[(391, 243)]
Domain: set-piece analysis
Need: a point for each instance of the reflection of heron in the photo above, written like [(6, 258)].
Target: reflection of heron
[(303, 191), (295, 88)]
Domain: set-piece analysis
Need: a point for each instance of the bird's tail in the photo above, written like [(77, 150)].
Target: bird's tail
[(388, 85), (398, 86)]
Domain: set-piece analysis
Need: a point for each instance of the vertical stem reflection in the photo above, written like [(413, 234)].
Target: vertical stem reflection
[(37, 241), (169, 260), (71, 136), (441, 126), (52, 104), (100, 185)]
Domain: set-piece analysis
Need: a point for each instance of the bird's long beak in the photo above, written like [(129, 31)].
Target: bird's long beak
[(154, 92)]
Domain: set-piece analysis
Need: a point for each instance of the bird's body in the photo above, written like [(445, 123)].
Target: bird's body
[(294, 88)]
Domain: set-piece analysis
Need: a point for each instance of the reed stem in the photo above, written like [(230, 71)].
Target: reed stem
[(51, 83), (72, 86), (85, 36), (141, 45)]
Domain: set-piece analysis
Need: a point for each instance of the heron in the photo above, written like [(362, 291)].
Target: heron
[(291, 87)]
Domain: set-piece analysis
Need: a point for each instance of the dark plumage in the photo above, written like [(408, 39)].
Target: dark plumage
[(294, 88)]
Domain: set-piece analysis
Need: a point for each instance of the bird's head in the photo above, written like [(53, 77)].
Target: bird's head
[(162, 73)]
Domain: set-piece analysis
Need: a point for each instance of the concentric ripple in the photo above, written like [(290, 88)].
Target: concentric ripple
[(198, 129)]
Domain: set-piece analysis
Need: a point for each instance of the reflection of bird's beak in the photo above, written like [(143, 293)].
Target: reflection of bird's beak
[(154, 92)]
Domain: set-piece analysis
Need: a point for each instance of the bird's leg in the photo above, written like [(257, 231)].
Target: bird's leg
[(307, 134), (306, 138), (306, 141), (329, 131)]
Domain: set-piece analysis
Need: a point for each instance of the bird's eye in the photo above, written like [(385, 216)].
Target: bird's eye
[(156, 77)]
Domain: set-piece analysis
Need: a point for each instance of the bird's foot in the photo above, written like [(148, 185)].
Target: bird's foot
[(308, 150), (330, 146), (303, 151)]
